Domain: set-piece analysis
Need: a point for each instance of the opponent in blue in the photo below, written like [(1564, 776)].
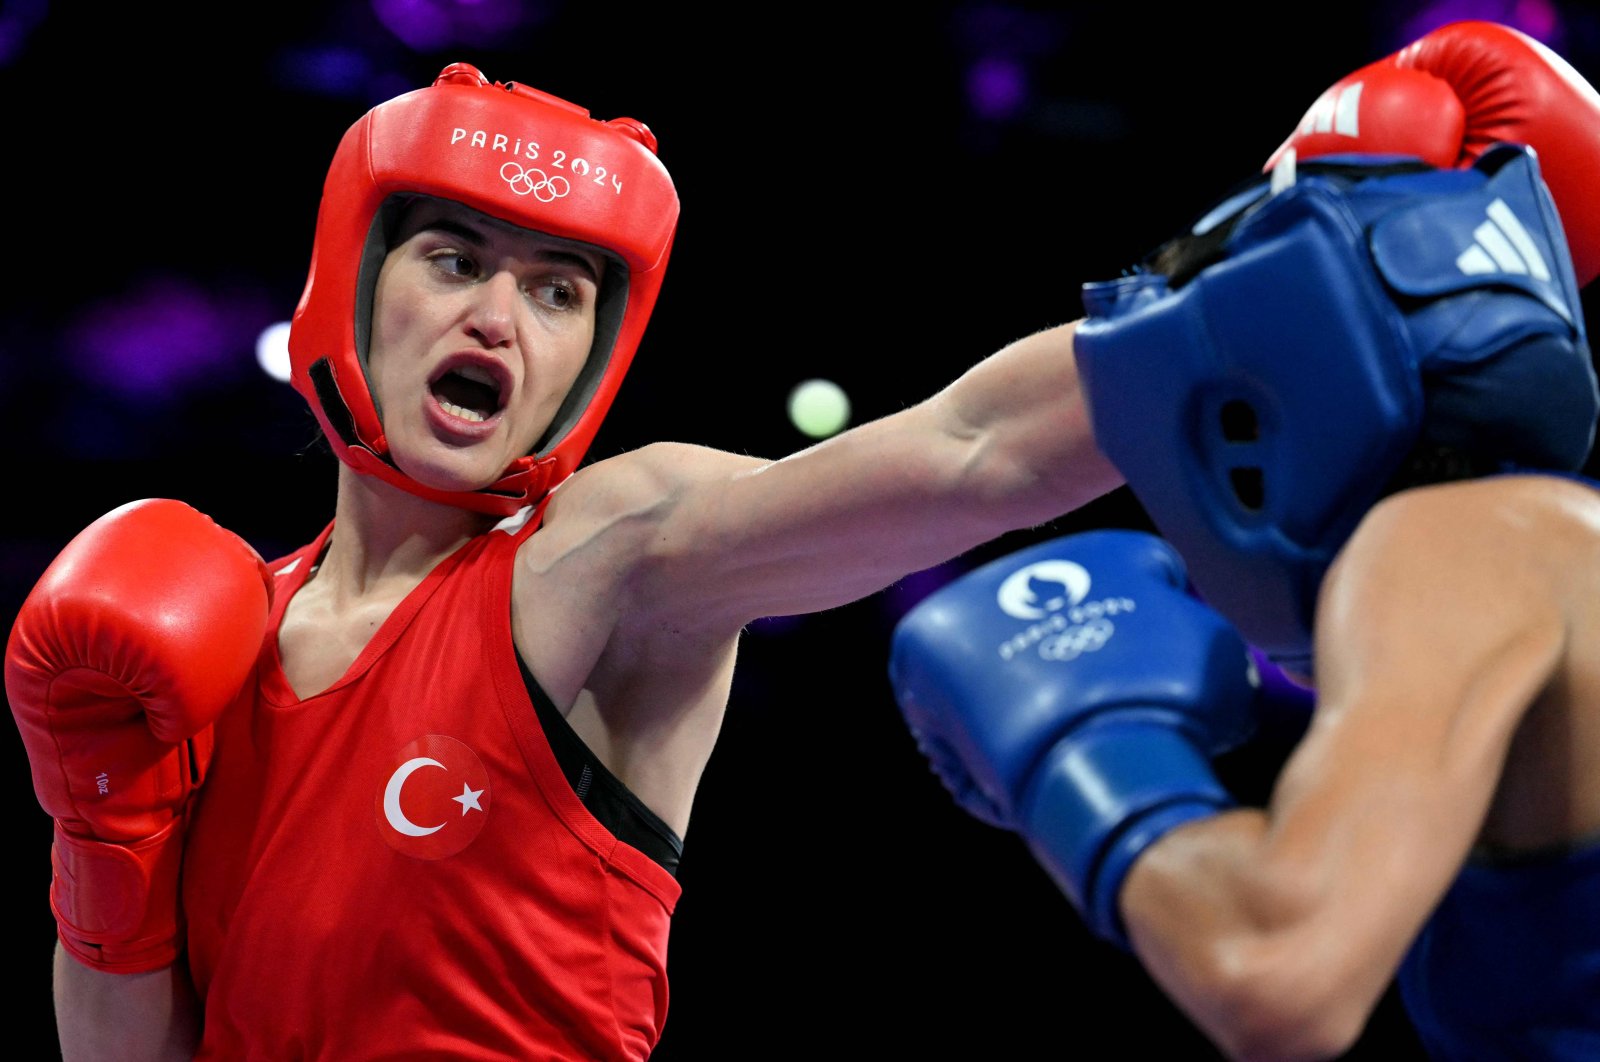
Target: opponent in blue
[(1355, 418)]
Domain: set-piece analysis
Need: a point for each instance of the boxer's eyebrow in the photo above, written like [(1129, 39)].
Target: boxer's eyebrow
[(476, 238), (571, 258), (455, 228)]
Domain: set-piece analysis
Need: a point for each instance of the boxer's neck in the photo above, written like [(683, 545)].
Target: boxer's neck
[(387, 540)]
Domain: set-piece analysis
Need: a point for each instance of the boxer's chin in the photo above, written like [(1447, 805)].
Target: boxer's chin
[(443, 467)]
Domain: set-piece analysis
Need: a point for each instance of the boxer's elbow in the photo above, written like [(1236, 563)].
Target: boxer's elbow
[(1267, 1005), (1282, 979), (1256, 957)]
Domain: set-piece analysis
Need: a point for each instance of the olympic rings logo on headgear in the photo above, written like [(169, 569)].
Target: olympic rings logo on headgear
[(545, 189)]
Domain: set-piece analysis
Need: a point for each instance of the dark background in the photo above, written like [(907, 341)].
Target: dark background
[(876, 200)]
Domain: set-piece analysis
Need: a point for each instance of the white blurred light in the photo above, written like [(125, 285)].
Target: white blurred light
[(819, 408), (272, 351)]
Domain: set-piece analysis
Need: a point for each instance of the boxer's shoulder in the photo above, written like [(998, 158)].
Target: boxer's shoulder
[(639, 484), (1536, 532), (1521, 506), (595, 565), (636, 509)]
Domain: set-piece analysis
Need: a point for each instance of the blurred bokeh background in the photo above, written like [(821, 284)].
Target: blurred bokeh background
[(874, 198)]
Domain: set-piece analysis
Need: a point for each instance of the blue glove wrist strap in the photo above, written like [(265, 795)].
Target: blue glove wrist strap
[(1104, 795)]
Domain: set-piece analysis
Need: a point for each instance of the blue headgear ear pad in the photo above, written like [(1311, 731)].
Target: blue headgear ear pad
[(1260, 402)]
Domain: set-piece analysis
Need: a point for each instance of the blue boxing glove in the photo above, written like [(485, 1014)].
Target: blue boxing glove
[(1074, 692)]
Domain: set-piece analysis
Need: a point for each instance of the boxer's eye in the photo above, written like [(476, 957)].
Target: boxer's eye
[(556, 293), (454, 263)]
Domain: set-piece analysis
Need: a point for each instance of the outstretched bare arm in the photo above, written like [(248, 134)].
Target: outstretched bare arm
[(1008, 445)]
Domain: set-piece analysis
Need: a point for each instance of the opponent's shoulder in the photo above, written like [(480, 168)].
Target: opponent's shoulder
[(1527, 511), (1504, 540), (1455, 597)]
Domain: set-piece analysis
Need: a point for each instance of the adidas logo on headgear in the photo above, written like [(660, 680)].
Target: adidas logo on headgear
[(1502, 245)]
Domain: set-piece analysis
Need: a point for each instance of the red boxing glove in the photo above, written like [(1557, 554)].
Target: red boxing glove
[(1450, 95), (129, 647)]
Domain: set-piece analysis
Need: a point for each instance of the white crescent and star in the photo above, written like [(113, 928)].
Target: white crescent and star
[(391, 798)]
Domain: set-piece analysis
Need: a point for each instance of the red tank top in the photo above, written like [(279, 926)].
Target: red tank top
[(396, 867)]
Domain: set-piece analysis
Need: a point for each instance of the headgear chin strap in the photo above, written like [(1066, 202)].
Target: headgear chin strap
[(513, 153), (1259, 403)]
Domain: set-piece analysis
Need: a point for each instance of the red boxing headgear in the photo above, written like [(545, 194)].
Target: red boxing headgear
[(513, 153)]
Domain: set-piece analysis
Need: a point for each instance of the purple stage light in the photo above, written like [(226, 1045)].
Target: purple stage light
[(166, 338), (420, 24), (996, 87), (1539, 19), (17, 22), (1012, 73), (432, 25), (329, 70)]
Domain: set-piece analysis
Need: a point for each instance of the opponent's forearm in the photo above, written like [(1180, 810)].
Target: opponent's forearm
[(144, 1016), (1242, 942)]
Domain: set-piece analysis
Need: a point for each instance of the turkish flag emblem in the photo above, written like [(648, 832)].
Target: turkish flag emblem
[(435, 798)]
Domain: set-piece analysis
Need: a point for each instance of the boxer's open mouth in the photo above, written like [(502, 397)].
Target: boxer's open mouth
[(470, 390)]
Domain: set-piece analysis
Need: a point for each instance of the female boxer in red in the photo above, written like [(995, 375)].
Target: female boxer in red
[(444, 814)]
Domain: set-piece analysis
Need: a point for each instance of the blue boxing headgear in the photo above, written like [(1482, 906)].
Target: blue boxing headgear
[(1260, 401)]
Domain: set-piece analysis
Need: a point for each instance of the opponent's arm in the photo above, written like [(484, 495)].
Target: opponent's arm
[(1277, 930), (729, 539)]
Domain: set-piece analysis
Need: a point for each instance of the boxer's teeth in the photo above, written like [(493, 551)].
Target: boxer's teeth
[(462, 412)]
